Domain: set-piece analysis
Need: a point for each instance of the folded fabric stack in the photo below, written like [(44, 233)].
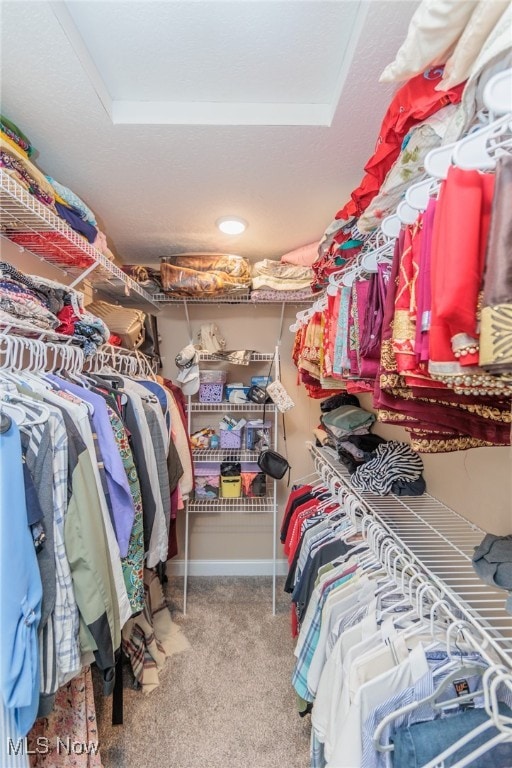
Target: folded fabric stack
[(15, 151), (46, 304), (204, 274), (274, 279), (22, 299), (345, 421)]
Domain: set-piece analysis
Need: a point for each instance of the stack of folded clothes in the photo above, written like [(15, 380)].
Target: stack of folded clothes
[(45, 304), (272, 280), (15, 153)]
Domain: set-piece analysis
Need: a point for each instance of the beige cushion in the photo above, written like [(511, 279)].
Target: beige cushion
[(479, 27), (433, 32)]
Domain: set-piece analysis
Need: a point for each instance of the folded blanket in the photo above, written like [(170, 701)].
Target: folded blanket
[(347, 420), (266, 295), (278, 284), (282, 271)]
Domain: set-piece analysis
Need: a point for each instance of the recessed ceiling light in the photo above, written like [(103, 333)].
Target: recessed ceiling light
[(231, 225)]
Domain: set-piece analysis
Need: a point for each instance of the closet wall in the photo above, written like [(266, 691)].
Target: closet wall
[(475, 483)]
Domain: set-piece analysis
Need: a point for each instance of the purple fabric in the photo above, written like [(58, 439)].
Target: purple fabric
[(423, 287), (372, 326), (118, 488)]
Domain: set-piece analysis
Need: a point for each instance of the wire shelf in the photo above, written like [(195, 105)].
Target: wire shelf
[(238, 506), (235, 298), (441, 542), (231, 407), (34, 227), (221, 454), (256, 357)]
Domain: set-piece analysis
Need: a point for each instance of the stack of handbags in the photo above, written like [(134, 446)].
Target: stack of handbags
[(204, 274)]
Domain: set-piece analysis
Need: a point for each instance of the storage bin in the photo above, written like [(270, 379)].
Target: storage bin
[(236, 388), (231, 438), (211, 386), (231, 487), (254, 484), (258, 435), (207, 481)]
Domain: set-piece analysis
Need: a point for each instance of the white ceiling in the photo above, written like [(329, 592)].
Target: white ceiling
[(165, 116)]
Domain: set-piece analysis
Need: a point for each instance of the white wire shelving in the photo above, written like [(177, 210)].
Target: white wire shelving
[(232, 407), (256, 357), (231, 298), (239, 506), (441, 542), (210, 455), (35, 228)]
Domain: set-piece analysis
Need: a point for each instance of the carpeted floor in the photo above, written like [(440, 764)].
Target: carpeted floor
[(227, 701)]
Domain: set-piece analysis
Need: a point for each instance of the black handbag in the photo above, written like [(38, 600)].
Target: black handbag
[(273, 464), (257, 395)]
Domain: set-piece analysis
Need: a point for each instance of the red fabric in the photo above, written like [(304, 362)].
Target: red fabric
[(67, 319), (172, 546), (55, 248), (115, 340), (309, 507), (412, 103), (461, 227)]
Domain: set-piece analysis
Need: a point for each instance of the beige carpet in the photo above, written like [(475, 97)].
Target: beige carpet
[(227, 701)]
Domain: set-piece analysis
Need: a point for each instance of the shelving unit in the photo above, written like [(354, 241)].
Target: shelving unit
[(240, 505), (234, 298), (221, 454), (441, 542), (35, 228)]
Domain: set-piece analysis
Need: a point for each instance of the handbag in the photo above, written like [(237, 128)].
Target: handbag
[(257, 395), (279, 396), (273, 464)]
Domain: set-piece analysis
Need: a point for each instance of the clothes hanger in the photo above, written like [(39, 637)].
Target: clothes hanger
[(391, 226), (474, 151), (418, 195), (406, 213)]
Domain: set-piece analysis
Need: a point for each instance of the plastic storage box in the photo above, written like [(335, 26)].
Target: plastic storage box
[(231, 487), (253, 481), (211, 386), (258, 435), (207, 481), (231, 438)]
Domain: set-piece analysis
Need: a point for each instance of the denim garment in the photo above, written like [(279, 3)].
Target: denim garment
[(417, 744)]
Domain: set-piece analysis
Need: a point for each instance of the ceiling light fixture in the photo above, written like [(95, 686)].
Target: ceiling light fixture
[(231, 225)]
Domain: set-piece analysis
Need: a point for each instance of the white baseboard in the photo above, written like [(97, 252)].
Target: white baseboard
[(227, 567)]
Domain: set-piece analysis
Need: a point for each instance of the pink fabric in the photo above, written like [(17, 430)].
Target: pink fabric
[(302, 257)]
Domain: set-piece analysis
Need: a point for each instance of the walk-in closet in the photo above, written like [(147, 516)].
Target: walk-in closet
[(255, 383)]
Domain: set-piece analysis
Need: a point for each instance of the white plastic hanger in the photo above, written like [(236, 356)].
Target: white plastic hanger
[(406, 213), (477, 151), (391, 226), (418, 195)]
